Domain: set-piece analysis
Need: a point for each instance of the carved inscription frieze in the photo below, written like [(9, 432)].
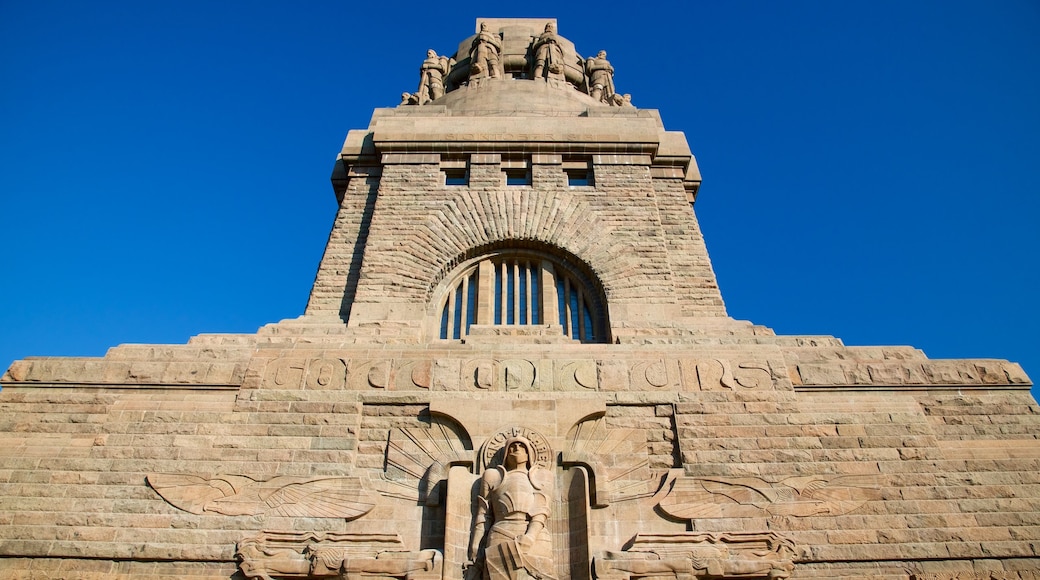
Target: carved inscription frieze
[(524, 374)]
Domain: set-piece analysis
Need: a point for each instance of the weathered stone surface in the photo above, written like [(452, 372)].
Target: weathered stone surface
[(664, 439)]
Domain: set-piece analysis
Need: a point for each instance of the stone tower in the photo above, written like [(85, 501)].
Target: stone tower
[(516, 363)]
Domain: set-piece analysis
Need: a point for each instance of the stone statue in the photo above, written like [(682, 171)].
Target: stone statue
[(601, 77), (431, 77), (510, 540), (548, 55), (484, 54)]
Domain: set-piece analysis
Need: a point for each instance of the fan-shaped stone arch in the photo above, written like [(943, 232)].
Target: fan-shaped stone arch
[(519, 283)]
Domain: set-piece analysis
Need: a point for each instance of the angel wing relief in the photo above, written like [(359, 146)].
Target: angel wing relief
[(616, 458), (747, 497), (238, 495), (417, 460)]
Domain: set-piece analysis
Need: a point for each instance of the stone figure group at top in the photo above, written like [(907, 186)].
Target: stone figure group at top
[(546, 61)]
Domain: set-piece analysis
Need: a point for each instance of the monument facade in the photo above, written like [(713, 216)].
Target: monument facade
[(516, 363)]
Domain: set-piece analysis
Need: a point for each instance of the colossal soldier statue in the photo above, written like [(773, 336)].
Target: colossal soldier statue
[(548, 55), (601, 77), (484, 54), (431, 77)]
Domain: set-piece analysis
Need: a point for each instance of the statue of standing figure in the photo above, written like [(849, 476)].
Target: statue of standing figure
[(548, 55), (510, 540), (601, 77), (431, 77), (484, 54)]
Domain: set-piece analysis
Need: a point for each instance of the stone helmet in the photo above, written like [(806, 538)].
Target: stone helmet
[(523, 441)]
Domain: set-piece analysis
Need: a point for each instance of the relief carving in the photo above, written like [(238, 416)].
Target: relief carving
[(754, 376), (368, 374), (298, 373), (519, 374), (689, 498), (700, 555), (411, 374), (285, 555), (417, 460), (238, 495), (617, 459), (654, 375), (715, 375), (580, 373), (510, 539)]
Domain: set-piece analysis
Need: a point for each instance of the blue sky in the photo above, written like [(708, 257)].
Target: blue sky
[(870, 168)]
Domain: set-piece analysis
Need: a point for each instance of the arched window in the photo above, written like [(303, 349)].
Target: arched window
[(519, 288)]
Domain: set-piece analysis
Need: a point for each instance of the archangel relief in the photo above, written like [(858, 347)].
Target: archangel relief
[(510, 540)]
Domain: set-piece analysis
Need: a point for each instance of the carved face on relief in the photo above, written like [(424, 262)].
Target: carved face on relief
[(516, 452), (431, 53), (601, 54)]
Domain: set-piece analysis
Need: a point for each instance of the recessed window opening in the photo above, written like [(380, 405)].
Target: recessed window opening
[(524, 288), (579, 172), (517, 171), (459, 313), (455, 171)]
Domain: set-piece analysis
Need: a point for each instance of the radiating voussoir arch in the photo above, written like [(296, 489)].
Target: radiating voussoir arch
[(518, 283)]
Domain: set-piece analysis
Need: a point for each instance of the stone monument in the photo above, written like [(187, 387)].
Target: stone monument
[(516, 363)]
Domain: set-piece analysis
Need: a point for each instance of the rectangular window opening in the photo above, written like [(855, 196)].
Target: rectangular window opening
[(518, 177), (455, 170), (579, 172), (517, 170), (456, 177)]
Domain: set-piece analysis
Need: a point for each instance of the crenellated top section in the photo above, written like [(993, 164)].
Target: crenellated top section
[(522, 49)]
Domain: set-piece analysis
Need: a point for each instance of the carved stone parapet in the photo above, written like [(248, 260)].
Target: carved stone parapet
[(283, 555), (690, 555)]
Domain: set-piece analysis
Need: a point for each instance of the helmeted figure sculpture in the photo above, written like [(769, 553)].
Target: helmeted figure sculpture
[(484, 54), (431, 77), (548, 55), (601, 77), (510, 540)]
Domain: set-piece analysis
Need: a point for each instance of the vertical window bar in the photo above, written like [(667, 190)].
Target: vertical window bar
[(572, 313), (589, 330), (581, 315), (463, 300), (471, 300), (536, 293), (451, 313), (568, 328), (459, 305), (498, 296), (516, 292), (444, 322), (527, 293)]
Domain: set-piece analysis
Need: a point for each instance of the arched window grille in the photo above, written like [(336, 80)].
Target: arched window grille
[(521, 289)]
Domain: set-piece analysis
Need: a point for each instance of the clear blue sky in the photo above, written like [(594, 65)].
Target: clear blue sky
[(870, 168)]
